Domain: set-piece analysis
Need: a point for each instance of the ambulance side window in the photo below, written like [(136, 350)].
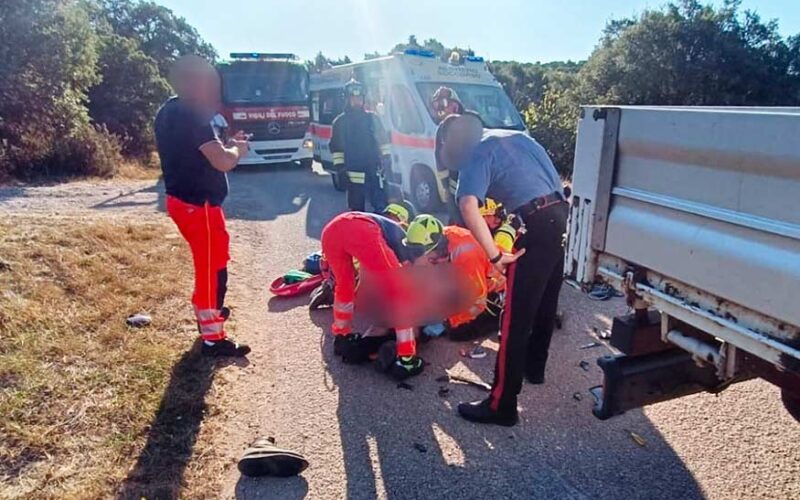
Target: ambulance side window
[(405, 117)]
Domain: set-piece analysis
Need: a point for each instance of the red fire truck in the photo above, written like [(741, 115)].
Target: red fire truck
[(266, 95)]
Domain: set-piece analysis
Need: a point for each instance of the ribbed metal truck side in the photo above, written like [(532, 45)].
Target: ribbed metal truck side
[(694, 214)]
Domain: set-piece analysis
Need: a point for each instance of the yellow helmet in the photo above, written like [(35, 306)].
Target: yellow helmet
[(425, 232), (403, 211), (490, 207)]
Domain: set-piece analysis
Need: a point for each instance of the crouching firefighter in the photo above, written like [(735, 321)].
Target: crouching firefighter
[(477, 282), (376, 242), (361, 149)]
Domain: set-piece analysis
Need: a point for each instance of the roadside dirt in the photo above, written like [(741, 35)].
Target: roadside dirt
[(367, 438)]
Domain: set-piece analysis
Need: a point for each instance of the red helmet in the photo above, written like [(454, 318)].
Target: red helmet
[(443, 98)]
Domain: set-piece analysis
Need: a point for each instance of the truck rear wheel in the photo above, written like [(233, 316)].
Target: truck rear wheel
[(424, 191), (791, 403), (307, 163)]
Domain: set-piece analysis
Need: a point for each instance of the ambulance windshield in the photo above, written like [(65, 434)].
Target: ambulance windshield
[(264, 82), (490, 102)]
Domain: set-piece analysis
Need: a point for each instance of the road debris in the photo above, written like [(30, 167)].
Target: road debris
[(476, 383), (590, 345), (443, 378), (604, 334), (406, 386), (637, 439), (477, 352), (420, 447), (577, 396), (559, 320), (138, 320), (584, 365), (444, 391)]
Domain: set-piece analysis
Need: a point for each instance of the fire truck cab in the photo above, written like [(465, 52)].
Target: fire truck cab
[(266, 95), (399, 88)]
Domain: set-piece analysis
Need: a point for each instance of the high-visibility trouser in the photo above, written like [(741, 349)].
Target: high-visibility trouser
[(203, 227), (353, 235)]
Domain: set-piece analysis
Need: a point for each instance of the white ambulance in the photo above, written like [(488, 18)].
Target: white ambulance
[(399, 88)]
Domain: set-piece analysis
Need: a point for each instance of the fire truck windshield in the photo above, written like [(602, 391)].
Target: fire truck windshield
[(490, 102), (264, 82)]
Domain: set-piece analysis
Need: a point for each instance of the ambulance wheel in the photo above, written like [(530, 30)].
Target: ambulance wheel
[(424, 191), (338, 182), (307, 163)]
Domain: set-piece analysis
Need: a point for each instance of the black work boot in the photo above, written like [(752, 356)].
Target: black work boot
[(406, 366), (480, 412), (225, 348), (355, 348)]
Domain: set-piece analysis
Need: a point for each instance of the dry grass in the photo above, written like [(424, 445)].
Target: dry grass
[(140, 170), (91, 408)]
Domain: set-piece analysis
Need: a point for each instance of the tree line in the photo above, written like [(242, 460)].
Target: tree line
[(80, 80)]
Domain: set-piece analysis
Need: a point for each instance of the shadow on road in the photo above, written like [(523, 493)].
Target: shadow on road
[(158, 472), (411, 443)]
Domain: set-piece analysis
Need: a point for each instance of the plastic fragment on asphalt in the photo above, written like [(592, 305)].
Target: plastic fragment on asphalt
[(138, 320), (476, 383), (577, 396), (584, 365), (477, 352), (637, 439), (420, 447), (590, 345)]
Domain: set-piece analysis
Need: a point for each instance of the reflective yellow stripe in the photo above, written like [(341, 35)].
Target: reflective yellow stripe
[(356, 177), (444, 174), (338, 158), (453, 186), (386, 149)]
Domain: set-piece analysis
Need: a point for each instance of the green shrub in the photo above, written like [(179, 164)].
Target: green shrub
[(90, 151)]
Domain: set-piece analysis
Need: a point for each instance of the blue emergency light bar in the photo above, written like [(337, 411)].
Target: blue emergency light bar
[(262, 55), (474, 59), (419, 52)]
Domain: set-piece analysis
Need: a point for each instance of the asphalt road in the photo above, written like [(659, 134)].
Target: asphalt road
[(367, 438)]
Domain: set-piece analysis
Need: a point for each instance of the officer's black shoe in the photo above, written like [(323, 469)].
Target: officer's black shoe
[(406, 366), (480, 412), (339, 341), (225, 348), (225, 313), (356, 349)]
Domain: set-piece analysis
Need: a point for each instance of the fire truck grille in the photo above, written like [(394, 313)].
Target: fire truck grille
[(272, 131)]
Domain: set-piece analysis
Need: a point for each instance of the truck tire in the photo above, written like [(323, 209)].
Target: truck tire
[(424, 191), (791, 403), (306, 163)]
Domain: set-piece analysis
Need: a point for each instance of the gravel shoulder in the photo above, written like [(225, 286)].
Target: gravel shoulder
[(366, 438)]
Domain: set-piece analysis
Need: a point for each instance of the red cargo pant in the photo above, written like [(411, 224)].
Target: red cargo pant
[(353, 235), (203, 227)]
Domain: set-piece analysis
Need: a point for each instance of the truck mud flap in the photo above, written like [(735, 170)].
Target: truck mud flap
[(634, 381)]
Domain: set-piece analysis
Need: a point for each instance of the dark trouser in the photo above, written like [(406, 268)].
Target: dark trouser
[(363, 185), (531, 305)]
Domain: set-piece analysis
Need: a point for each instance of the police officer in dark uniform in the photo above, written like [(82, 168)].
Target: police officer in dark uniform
[(360, 147), (514, 170)]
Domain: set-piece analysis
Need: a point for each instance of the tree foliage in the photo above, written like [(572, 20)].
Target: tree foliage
[(80, 80), (686, 53), (322, 62)]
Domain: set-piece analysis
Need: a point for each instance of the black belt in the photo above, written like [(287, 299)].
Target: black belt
[(540, 203)]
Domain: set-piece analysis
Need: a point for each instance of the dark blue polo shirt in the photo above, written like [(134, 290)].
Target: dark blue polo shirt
[(188, 175)]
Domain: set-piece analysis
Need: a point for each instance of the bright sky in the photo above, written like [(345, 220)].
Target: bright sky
[(521, 30)]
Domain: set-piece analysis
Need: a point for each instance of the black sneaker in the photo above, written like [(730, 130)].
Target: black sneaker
[(406, 366), (535, 378), (322, 296), (480, 412), (339, 341), (225, 348)]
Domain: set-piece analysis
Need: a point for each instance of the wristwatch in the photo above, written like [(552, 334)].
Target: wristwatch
[(496, 258)]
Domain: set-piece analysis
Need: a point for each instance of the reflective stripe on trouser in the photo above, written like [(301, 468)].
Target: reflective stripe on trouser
[(406, 343), (338, 159), (534, 283), (453, 186), (365, 186), (356, 177), (342, 318), (353, 235), (203, 227)]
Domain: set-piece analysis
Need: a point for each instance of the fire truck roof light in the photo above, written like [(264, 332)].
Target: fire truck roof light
[(419, 52), (262, 55)]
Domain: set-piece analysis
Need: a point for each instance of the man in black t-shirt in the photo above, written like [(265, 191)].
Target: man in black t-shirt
[(194, 162)]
